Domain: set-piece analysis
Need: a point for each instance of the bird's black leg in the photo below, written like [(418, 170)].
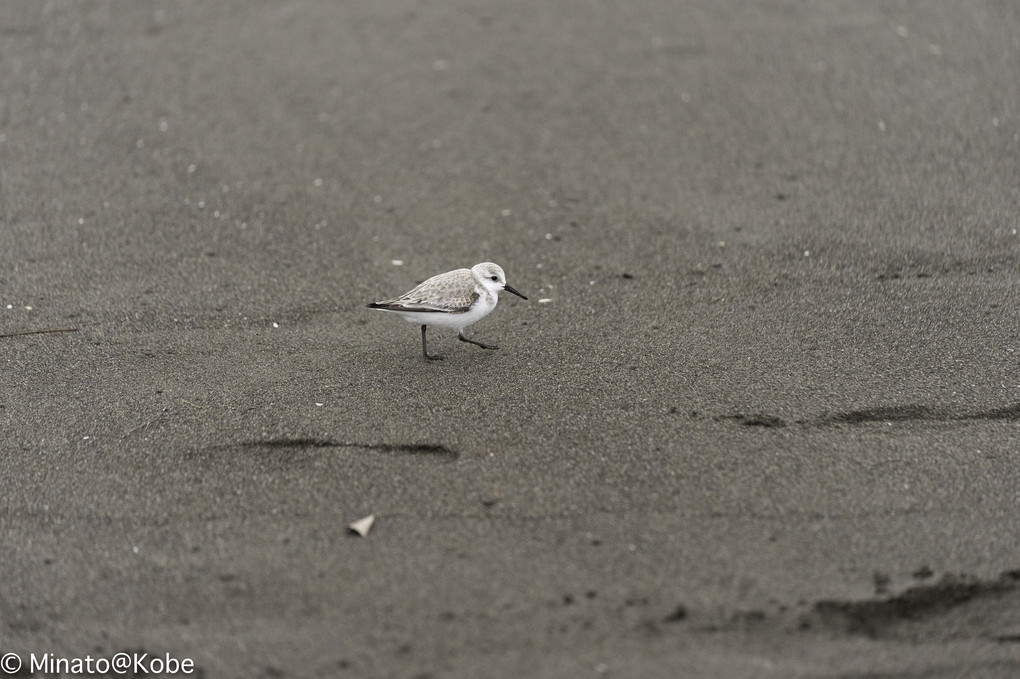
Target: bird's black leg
[(461, 337), (424, 348)]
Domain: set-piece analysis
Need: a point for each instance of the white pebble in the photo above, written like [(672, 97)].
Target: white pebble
[(362, 526)]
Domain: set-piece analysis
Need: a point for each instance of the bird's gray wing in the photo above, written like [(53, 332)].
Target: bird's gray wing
[(452, 293)]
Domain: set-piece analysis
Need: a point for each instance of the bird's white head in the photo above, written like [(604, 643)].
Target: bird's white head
[(491, 277)]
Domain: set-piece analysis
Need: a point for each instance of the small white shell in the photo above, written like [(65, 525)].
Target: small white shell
[(362, 526)]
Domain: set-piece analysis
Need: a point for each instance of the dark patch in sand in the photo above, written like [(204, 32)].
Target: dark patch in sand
[(307, 443), (302, 443), (679, 614), (756, 420), (884, 414), (740, 620), (918, 412), (1010, 412), (897, 413), (909, 612), (956, 607)]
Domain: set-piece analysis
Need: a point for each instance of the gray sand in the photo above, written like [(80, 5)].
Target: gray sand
[(765, 426)]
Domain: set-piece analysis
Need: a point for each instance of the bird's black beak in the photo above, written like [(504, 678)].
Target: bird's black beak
[(509, 289)]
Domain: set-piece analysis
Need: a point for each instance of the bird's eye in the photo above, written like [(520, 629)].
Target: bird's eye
[(495, 278)]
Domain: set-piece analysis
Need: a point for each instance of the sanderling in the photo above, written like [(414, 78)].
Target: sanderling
[(454, 299)]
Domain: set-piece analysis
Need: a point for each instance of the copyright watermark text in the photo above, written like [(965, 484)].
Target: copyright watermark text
[(134, 663)]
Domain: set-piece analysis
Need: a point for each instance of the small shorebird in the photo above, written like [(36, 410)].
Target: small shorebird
[(454, 299)]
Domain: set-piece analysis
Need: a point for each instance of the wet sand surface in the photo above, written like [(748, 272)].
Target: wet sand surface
[(758, 418)]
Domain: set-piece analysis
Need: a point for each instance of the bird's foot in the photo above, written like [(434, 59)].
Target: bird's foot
[(477, 344)]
